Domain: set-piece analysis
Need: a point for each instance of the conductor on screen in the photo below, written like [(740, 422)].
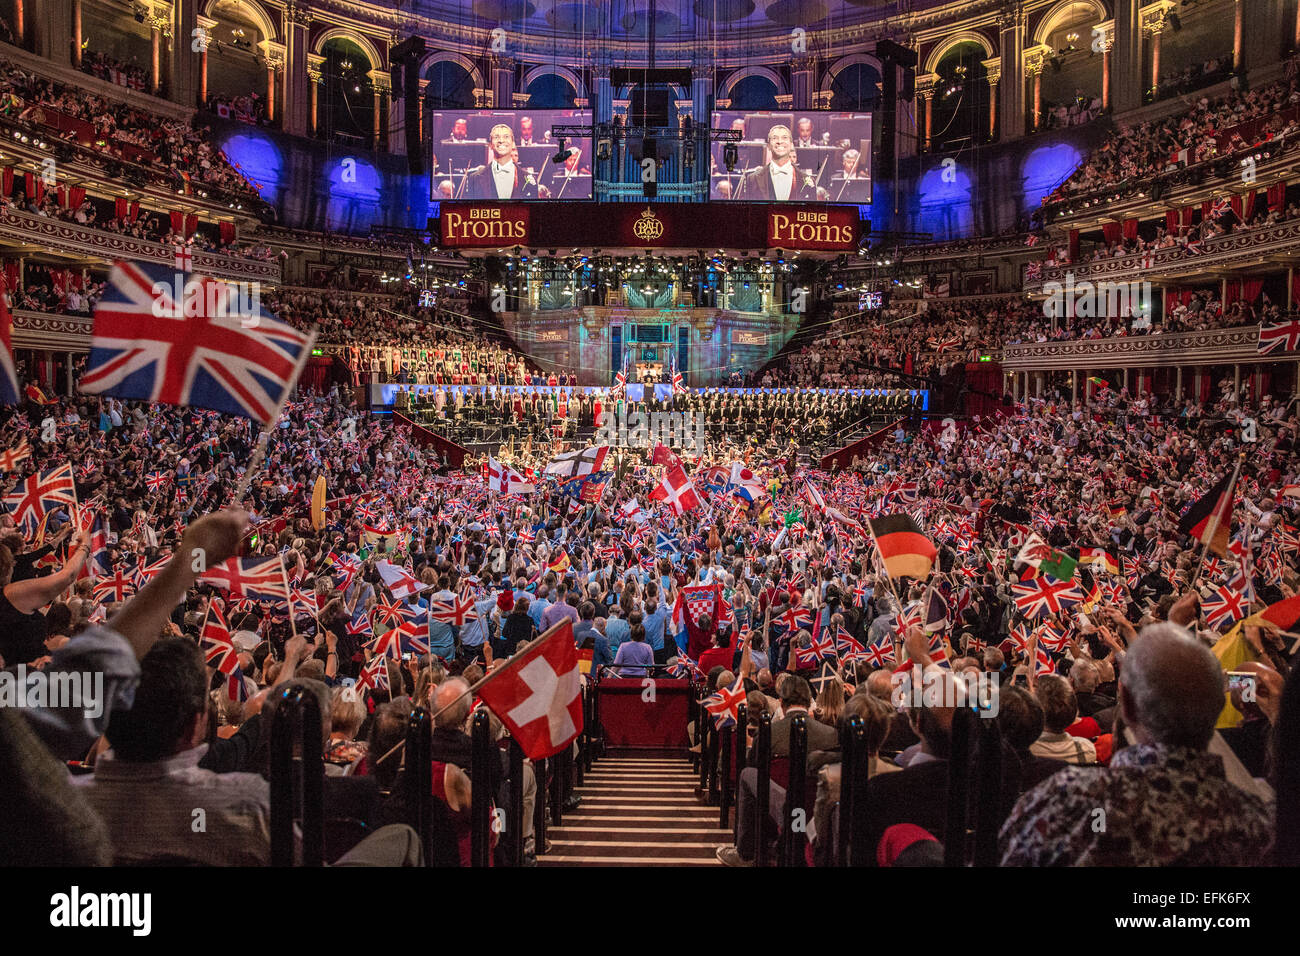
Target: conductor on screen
[(779, 179), (500, 178)]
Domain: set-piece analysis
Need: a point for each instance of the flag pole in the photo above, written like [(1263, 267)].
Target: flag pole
[(1215, 520), (259, 451)]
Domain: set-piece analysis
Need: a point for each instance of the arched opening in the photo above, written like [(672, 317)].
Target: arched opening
[(347, 103), (236, 81), (754, 93), (551, 92), (855, 87), (451, 86), (959, 108), (1072, 74)]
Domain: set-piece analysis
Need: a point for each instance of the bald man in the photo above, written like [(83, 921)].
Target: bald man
[(1162, 801)]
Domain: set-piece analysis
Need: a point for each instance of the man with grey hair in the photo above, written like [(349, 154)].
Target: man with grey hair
[(1085, 677), (1163, 800)]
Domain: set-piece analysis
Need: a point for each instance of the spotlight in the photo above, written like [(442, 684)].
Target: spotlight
[(563, 153), (604, 149), (729, 156)]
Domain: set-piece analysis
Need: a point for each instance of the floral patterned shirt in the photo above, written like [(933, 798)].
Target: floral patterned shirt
[(1152, 806)]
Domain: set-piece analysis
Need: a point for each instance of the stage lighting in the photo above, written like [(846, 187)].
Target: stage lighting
[(729, 156), (563, 153)]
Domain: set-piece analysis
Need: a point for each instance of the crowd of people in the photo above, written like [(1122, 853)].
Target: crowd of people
[(179, 150), (1144, 149), (790, 559)]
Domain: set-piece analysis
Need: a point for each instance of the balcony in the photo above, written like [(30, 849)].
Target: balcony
[(1212, 347), (1245, 247), (69, 238)]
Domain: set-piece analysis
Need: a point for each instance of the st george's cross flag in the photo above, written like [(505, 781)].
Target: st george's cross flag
[(574, 464), (399, 581), (200, 343), (538, 693)]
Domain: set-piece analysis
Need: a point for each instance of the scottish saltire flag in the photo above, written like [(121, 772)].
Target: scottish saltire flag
[(182, 339), (10, 392)]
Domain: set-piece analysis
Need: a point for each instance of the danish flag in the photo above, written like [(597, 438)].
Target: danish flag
[(676, 489), (538, 694)]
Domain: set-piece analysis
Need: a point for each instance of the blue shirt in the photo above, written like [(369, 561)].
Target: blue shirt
[(537, 609), (655, 624), (618, 631), (442, 636), (475, 632)]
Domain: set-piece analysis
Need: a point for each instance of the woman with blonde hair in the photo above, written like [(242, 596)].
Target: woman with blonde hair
[(828, 708)]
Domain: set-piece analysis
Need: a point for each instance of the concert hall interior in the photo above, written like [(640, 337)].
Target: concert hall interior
[(678, 433)]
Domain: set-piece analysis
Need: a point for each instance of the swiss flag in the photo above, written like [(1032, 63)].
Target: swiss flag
[(538, 694), (677, 490)]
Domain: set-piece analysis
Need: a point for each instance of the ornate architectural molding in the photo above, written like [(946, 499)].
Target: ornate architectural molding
[(42, 330), (72, 239), (1035, 58), (1155, 15), (925, 84), (1236, 247), (315, 62), (381, 80), (297, 14), (271, 54), (1216, 346), (992, 70), (1104, 35)]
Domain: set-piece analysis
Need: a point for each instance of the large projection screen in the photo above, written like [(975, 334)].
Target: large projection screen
[(793, 155), (508, 155)]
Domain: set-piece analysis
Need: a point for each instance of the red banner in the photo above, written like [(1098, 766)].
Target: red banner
[(468, 226), (833, 228)]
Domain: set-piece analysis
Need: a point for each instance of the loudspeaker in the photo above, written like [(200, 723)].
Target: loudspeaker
[(406, 57)]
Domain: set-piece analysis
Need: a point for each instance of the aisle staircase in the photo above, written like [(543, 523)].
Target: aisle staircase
[(638, 811)]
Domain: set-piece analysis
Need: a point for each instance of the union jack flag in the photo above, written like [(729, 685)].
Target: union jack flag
[(39, 495), (880, 652), (1280, 336), (796, 618), (156, 480), (1044, 663), (258, 579), (725, 704), (146, 571), (685, 668), (456, 612), (145, 346), (11, 457), (407, 638), (389, 612), (117, 588), (1044, 595), (818, 649), (375, 674), (360, 623), (1224, 606)]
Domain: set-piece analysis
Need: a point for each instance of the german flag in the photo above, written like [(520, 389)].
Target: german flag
[(1201, 523), (907, 552)]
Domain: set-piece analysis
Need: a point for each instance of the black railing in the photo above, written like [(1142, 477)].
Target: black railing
[(763, 753), (481, 794), (297, 781), (794, 818), (417, 778)]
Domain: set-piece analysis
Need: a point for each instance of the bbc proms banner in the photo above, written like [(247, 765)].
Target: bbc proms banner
[(649, 226)]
